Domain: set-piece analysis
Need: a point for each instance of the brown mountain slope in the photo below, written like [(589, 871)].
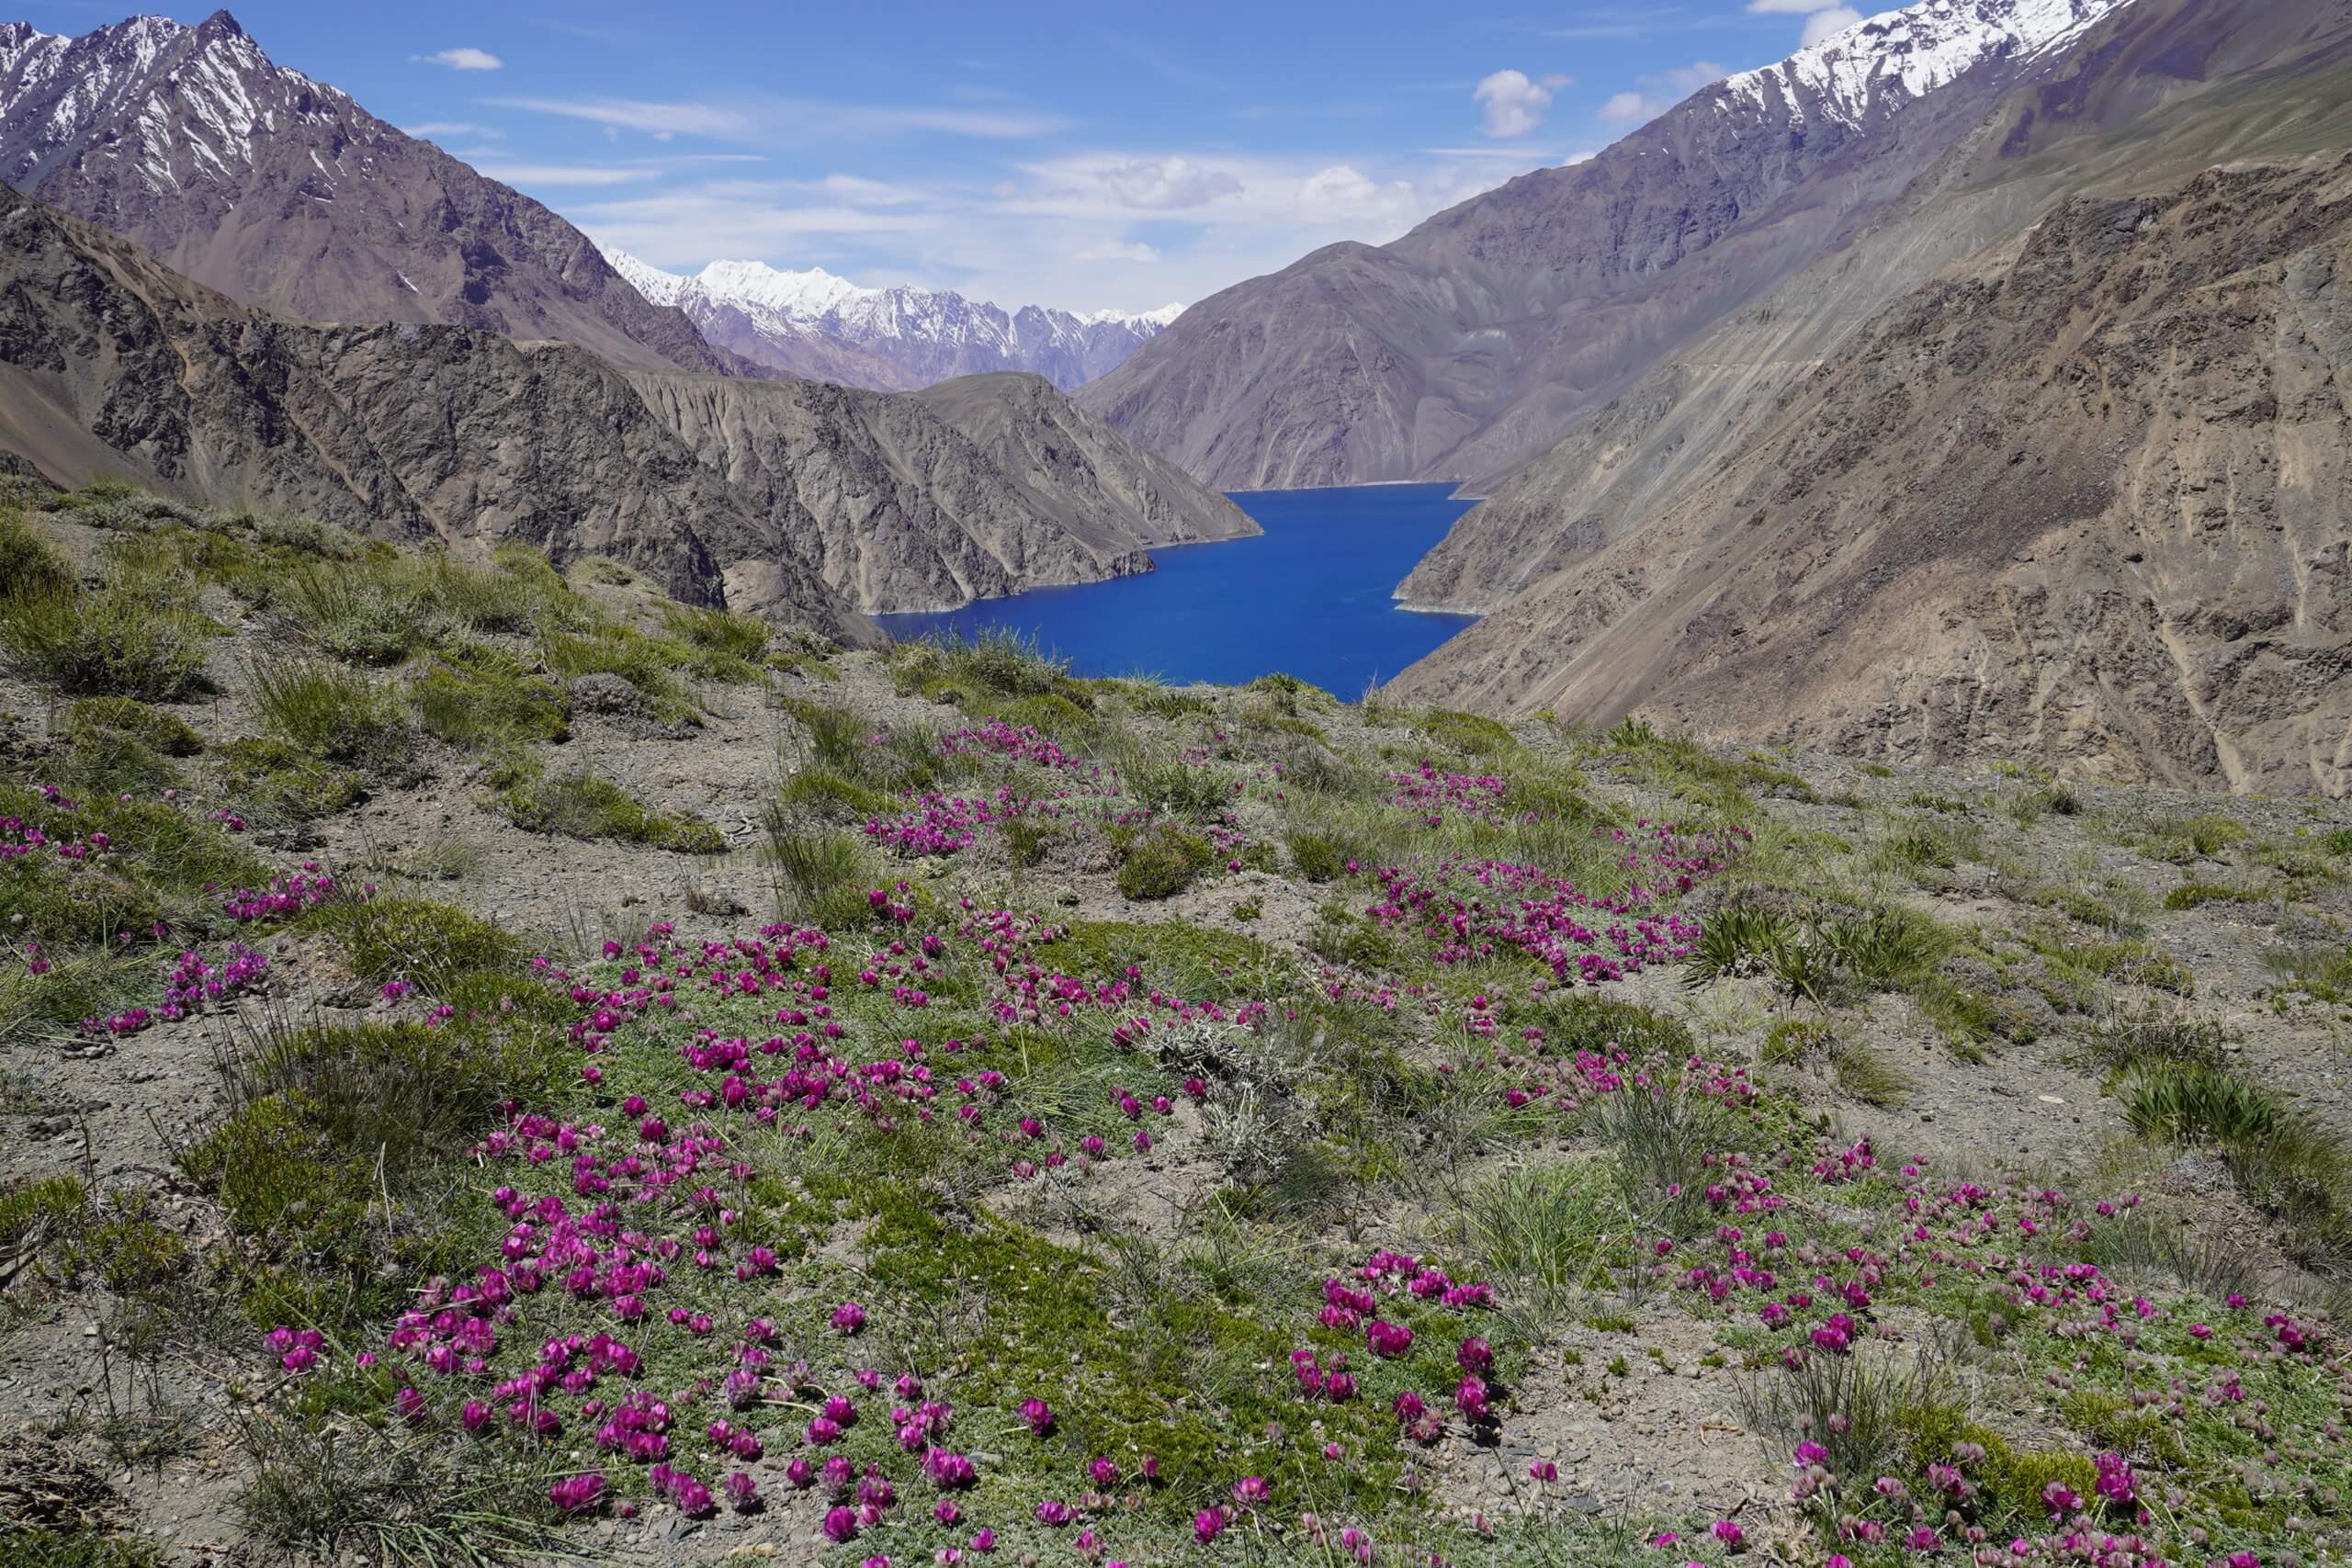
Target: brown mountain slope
[(112, 364), (285, 193), (2165, 89), (1468, 345), (2082, 500), (973, 490), (792, 498)]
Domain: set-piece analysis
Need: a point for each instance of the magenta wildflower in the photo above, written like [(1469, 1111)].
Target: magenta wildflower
[(841, 1525), (1207, 1525), (577, 1494), (849, 1318), (1038, 1414)]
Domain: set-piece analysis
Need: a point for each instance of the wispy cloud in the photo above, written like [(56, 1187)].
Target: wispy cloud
[(487, 161), (1628, 22), (1518, 153), (465, 58), (765, 121), (435, 130), (1115, 251), (687, 227)]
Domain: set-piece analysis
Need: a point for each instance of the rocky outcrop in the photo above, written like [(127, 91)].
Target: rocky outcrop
[(795, 500), (284, 193), (1470, 344), (2082, 500), (2150, 99), (974, 491), (1690, 550)]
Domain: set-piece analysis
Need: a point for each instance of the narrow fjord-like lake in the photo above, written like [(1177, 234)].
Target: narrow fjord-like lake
[(1310, 597)]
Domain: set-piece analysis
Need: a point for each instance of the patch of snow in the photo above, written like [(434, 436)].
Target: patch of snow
[(1917, 50)]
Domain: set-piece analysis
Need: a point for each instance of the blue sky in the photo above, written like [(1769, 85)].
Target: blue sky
[(1103, 156)]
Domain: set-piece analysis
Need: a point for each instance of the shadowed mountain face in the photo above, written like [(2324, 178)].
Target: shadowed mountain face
[(2048, 464), (795, 500), (1465, 347), (284, 193)]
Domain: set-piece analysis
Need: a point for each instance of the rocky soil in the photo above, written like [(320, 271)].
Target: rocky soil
[(1626, 1401)]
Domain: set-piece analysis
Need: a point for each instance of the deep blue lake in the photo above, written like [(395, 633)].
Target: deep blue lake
[(1310, 597)]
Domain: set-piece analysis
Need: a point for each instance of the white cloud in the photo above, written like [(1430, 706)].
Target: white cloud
[(518, 174), (767, 121), (462, 59), (1514, 101), (687, 227), (1659, 93), (432, 129), (1076, 231), (1829, 24), (1823, 18), (1344, 194), (861, 192), (1166, 184)]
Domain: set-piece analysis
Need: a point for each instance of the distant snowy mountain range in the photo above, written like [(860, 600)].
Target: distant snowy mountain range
[(814, 324)]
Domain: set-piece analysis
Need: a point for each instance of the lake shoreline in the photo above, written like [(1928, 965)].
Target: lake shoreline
[(1315, 600)]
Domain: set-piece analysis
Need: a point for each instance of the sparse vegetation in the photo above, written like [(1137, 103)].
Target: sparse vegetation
[(1376, 1121)]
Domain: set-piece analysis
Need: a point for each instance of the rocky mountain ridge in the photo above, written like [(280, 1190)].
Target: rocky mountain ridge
[(794, 499), (285, 193), (1467, 346), (816, 325), (2034, 469)]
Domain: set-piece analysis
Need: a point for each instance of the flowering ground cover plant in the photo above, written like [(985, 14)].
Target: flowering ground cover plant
[(1095, 1123)]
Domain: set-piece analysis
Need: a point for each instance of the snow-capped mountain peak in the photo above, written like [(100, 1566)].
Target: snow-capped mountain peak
[(1159, 318), (802, 296), (1898, 56), (660, 287), (816, 324)]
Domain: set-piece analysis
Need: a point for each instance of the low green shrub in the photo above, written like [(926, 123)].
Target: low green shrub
[(119, 640), (162, 732), (480, 699), (275, 780), (2196, 895), (333, 713), (1317, 857), (1162, 862), (1466, 734), (579, 804), (423, 941), (1180, 789), (825, 796), (651, 664), (30, 568)]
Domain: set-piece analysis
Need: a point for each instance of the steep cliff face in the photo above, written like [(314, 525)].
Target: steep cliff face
[(2081, 500), (1468, 345), (285, 193), (974, 491), (1071, 461)]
